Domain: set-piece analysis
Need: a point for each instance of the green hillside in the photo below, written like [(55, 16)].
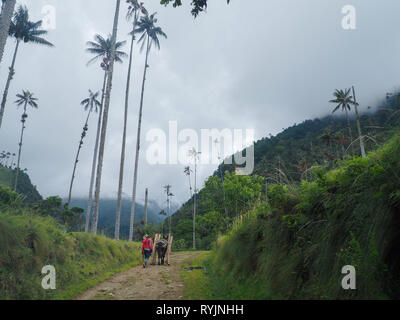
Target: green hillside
[(32, 237), (24, 187), (295, 246), (285, 158)]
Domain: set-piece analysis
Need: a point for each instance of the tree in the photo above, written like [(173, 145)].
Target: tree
[(22, 30), (169, 194), (343, 99), (92, 104), (7, 10), (198, 5), (26, 98), (360, 137), (134, 10), (195, 154), (71, 218), (149, 36), (328, 137), (187, 171), (107, 98), (101, 48)]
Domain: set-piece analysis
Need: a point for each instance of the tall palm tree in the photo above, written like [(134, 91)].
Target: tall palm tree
[(188, 171), (134, 10), (101, 48), (106, 106), (26, 98), (328, 137), (8, 155), (92, 104), (149, 36), (22, 30), (360, 137), (195, 155), (7, 10), (344, 100), (12, 160)]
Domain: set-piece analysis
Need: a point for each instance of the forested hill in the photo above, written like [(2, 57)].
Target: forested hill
[(25, 186), (107, 214), (106, 224), (284, 158)]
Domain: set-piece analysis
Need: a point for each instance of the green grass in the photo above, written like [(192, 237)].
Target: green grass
[(29, 242), (295, 247), (197, 283)]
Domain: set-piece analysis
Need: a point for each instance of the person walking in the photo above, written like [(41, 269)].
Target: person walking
[(147, 249)]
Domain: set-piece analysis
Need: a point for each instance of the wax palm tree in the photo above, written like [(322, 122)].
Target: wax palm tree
[(12, 160), (22, 30), (7, 10), (344, 100), (188, 171), (106, 106), (195, 155), (2, 157), (25, 98), (149, 36), (101, 48), (92, 104), (328, 137), (134, 10), (360, 137), (8, 155)]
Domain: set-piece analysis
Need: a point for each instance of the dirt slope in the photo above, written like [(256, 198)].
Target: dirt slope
[(152, 283)]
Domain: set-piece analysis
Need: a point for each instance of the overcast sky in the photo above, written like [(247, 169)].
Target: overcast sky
[(260, 64)]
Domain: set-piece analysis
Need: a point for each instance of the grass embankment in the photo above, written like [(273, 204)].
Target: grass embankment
[(197, 283), (29, 242), (295, 247)]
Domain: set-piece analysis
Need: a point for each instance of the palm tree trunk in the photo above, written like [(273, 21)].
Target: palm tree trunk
[(77, 155), (105, 119), (5, 20), (138, 145), (121, 167), (96, 149), (349, 127), (146, 206), (358, 125), (23, 119), (10, 77), (190, 186), (224, 199)]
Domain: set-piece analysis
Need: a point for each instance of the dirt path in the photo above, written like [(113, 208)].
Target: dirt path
[(153, 283)]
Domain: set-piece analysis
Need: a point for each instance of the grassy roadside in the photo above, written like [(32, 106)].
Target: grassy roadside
[(296, 247), (28, 242), (74, 289), (197, 283)]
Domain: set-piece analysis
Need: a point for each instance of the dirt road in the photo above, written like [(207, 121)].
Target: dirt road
[(152, 283)]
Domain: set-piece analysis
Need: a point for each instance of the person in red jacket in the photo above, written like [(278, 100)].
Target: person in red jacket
[(147, 249)]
